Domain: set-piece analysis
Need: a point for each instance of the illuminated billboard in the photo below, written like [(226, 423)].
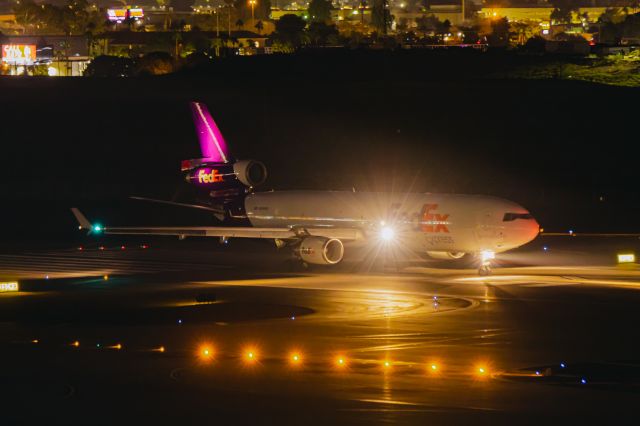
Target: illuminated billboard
[(19, 54), (121, 14)]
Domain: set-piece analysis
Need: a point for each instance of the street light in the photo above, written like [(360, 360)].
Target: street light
[(215, 11), (252, 3)]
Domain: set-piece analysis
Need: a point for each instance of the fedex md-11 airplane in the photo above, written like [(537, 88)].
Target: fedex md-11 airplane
[(318, 225)]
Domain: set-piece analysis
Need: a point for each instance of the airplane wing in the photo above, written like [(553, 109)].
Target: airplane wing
[(587, 234), (217, 210), (219, 231)]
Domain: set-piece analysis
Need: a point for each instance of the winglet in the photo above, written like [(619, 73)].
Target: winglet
[(212, 144), (83, 222)]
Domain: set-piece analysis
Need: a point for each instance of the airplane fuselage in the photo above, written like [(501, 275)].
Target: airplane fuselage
[(423, 222), (316, 224)]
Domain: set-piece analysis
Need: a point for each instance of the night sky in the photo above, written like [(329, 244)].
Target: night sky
[(370, 121)]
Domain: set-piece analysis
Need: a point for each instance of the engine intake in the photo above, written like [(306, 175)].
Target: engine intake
[(250, 172), (321, 251)]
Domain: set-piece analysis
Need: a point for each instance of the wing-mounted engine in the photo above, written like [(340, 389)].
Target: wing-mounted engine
[(446, 255), (321, 251)]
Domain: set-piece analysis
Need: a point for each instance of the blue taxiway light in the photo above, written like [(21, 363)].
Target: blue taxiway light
[(562, 365), (545, 248), (583, 381), (179, 321)]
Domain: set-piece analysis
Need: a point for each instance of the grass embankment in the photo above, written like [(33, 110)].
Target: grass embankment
[(616, 70)]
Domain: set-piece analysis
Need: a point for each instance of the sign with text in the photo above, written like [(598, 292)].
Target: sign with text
[(19, 54), (9, 286), (120, 14)]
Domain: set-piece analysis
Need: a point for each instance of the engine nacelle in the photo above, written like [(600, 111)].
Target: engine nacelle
[(250, 172), (321, 251), (446, 255)]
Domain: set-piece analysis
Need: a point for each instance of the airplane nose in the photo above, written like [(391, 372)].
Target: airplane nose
[(534, 230)]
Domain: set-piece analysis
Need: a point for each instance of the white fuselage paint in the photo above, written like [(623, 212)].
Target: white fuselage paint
[(422, 222)]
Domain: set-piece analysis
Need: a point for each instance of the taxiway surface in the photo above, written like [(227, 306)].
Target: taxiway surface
[(173, 339)]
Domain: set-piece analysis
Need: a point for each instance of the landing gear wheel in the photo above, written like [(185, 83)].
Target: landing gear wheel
[(484, 270)]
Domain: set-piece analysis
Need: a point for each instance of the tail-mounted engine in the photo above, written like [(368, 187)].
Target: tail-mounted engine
[(223, 186), (224, 180), (250, 172)]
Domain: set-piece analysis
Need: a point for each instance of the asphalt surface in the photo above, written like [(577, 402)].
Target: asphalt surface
[(162, 335)]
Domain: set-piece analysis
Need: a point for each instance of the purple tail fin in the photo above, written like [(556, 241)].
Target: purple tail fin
[(212, 144)]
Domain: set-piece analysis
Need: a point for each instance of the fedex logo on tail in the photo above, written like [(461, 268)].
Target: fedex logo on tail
[(433, 222), (209, 176)]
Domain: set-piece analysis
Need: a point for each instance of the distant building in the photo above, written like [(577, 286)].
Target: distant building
[(8, 23), (444, 12), (58, 55), (535, 13)]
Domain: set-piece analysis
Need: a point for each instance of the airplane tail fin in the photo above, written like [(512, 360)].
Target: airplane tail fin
[(212, 144), (217, 171)]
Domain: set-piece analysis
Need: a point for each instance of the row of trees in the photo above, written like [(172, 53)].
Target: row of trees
[(293, 32), (564, 10), (616, 25), (72, 18)]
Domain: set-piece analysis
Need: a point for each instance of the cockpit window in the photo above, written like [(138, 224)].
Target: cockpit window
[(510, 217)]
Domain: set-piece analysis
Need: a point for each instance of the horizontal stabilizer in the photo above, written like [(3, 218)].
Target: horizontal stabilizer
[(83, 222)]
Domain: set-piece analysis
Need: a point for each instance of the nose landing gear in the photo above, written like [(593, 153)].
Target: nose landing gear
[(485, 266), (484, 269)]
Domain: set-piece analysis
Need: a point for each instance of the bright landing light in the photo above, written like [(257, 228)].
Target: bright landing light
[(487, 255), (387, 233)]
